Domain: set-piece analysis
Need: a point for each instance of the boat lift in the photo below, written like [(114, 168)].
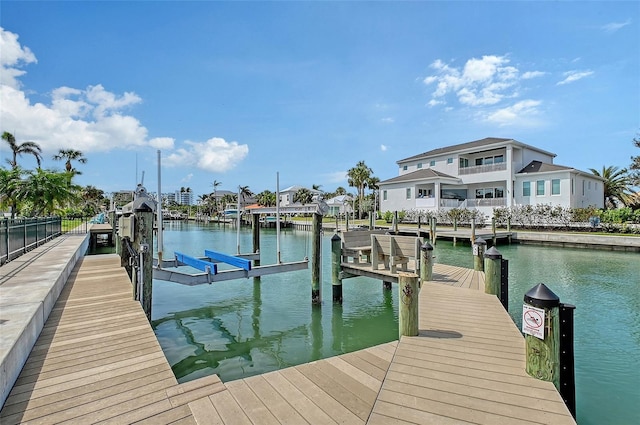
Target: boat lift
[(208, 265)]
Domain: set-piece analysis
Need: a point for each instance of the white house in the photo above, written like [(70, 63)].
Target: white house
[(488, 173), (286, 195), (340, 205)]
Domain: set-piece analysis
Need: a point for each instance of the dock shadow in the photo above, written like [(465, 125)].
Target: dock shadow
[(439, 333)]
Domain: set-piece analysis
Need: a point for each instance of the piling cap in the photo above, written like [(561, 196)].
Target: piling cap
[(480, 241), (492, 253), (335, 237), (542, 297), (426, 247)]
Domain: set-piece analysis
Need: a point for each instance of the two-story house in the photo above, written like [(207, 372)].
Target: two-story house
[(487, 173)]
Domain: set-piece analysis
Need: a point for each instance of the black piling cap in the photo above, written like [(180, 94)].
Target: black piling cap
[(426, 247), (335, 237), (480, 241), (542, 297), (492, 253)]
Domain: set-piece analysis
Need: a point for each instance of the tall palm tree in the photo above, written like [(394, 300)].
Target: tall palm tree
[(244, 194), (372, 184), (215, 185), (359, 177), (616, 185), (31, 148), (634, 168), (47, 191), (69, 155), (303, 195)]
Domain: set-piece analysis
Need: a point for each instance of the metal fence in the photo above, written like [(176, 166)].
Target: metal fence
[(20, 235)]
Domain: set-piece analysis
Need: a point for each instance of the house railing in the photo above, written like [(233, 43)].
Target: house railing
[(501, 166), (491, 202)]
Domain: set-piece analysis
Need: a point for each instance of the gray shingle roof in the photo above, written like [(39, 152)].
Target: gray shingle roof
[(426, 173), (541, 167), (476, 144)]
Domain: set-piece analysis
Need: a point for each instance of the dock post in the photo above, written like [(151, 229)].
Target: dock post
[(346, 221), (336, 254), (144, 243), (435, 226), (492, 268), (426, 263), (408, 308), (478, 249), (473, 230), (493, 230), (419, 223), (394, 226), (255, 227), (548, 345), (455, 224), (509, 229), (315, 259), (386, 285), (113, 221)]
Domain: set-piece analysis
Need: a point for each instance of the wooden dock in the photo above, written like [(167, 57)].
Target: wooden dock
[(97, 360)]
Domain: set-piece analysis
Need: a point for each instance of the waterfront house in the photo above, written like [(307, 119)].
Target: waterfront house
[(287, 195), (487, 173)]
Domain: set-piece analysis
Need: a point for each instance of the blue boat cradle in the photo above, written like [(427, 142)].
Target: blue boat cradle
[(213, 257)]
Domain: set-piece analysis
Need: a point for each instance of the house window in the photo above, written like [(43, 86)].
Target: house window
[(555, 187), (589, 185), (572, 188), (449, 160), (419, 164), (464, 162), (408, 193), (499, 192), (432, 163), (498, 159), (526, 188), (583, 185), (384, 195), (478, 161), (540, 188), (404, 168)]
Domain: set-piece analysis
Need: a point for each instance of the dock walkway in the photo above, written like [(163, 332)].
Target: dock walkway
[(97, 360)]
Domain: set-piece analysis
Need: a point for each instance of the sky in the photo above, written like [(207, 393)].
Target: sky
[(239, 92)]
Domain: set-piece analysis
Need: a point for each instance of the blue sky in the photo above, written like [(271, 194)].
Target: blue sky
[(237, 91)]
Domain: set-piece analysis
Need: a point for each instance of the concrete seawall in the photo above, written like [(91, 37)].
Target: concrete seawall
[(579, 240)]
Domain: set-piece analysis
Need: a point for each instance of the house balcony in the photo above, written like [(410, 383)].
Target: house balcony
[(488, 168)]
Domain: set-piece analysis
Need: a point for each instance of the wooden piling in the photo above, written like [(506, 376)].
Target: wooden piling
[(143, 243), (543, 354), (492, 275), (493, 231), (255, 228), (315, 259), (478, 249), (426, 262), (336, 254), (408, 304), (473, 230)]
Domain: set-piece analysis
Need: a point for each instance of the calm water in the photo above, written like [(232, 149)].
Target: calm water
[(239, 328)]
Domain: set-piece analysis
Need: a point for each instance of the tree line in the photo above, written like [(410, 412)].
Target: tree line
[(38, 192)]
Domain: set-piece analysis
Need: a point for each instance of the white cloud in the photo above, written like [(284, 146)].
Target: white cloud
[(523, 113), (388, 120), (571, 76), (162, 143), (215, 155), (615, 26), (187, 178), (383, 148), (532, 74), (13, 55), (484, 81)]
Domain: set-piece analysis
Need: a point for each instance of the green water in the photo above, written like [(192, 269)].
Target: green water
[(237, 329)]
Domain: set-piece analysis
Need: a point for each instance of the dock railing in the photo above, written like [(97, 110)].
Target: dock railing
[(20, 235)]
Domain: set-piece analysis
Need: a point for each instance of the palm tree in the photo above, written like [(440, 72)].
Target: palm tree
[(244, 194), (616, 185), (10, 182), (215, 185), (69, 155), (359, 177), (303, 195), (372, 184), (635, 165), (228, 198), (31, 148), (266, 198), (47, 191)]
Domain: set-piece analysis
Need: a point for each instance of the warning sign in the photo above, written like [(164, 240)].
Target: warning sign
[(533, 321)]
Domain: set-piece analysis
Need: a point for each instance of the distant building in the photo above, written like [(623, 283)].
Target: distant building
[(488, 173), (184, 197), (286, 195)]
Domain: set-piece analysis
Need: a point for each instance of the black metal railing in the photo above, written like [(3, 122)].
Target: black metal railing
[(20, 235)]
